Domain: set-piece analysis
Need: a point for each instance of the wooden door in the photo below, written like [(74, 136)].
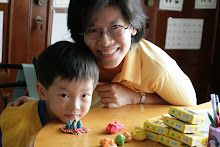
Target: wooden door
[(200, 65), (24, 38)]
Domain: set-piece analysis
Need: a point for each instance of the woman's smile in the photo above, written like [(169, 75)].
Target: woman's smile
[(109, 51)]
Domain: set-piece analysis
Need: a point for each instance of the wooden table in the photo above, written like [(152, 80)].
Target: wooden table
[(97, 120)]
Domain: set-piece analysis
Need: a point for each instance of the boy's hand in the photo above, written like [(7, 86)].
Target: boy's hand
[(117, 95), (20, 101)]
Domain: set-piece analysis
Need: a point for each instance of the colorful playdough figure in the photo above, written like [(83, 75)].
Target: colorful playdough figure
[(75, 129), (68, 124), (79, 124)]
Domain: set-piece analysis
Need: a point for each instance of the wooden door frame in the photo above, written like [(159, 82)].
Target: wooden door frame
[(18, 41)]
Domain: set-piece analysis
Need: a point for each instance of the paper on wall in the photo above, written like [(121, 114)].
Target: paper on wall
[(59, 28), (3, 1), (61, 3), (205, 4), (184, 33), (174, 5)]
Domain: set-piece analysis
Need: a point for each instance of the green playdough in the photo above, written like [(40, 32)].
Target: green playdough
[(120, 139)]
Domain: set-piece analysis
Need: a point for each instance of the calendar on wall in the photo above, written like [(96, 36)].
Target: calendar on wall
[(184, 33)]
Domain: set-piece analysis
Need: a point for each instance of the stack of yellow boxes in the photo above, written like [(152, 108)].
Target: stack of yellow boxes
[(179, 128)]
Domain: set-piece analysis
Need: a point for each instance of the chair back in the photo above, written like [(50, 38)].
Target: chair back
[(26, 78)]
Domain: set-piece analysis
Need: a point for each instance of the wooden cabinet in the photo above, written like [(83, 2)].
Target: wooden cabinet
[(24, 38), (202, 65)]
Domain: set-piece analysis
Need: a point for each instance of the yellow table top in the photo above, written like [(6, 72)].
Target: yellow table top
[(98, 119)]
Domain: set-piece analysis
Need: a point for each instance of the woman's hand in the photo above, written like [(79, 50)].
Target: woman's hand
[(19, 101), (117, 95)]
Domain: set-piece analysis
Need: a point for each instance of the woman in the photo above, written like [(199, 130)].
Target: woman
[(132, 70)]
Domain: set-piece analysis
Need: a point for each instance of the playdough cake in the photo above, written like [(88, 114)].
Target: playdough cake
[(73, 128)]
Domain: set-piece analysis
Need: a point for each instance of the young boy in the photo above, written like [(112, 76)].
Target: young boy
[(67, 76)]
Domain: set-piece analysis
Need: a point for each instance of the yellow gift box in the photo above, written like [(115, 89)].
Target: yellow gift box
[(186, 115), (156, 125), (195, 139), (152, 136), (170, 142), (180, 125)]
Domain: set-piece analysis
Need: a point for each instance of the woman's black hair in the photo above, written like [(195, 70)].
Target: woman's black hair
[(80, 16)]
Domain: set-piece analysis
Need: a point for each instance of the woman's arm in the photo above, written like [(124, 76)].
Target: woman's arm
[(19, 101), (176, 89), (153, 98), (117, 95)]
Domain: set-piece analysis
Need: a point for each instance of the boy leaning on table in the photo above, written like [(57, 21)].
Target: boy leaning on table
[(67, 76)]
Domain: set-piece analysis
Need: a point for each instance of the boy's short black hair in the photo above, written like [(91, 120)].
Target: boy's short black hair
[(80, 16), (68, 61)]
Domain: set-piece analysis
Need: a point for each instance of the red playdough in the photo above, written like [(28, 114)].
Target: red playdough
[(114, 127)]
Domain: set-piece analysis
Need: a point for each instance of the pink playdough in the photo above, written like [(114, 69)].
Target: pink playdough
[(114, 127)]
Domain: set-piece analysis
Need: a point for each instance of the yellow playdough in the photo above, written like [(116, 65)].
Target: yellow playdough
[(139, 134)]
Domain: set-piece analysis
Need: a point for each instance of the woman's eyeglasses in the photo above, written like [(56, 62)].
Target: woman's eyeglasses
[(115, 30)]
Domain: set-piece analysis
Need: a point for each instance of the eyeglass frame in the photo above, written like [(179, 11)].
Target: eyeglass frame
[(107, 31)]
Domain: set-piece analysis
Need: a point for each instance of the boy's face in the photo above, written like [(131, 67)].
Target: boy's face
[(67, 100)]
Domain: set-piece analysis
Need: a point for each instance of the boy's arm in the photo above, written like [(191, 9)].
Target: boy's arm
[(24, 120), (9, 123)]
